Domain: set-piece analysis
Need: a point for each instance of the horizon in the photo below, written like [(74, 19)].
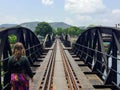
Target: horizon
[(71, 12), (53, 24), (35, 21)]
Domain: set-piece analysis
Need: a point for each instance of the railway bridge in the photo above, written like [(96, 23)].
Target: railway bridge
[(91, 63)]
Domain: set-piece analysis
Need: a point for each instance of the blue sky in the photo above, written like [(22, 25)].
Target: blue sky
[(74, 12)]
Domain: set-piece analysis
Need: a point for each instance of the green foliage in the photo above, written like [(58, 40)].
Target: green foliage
[(12, 38), (72, 31), (54, 31), (43, 28), (60, 31)]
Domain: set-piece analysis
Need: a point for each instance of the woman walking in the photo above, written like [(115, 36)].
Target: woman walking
[(19, 67)]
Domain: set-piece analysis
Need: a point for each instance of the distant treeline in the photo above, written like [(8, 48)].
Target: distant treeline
[(44, 28), (72, 31)]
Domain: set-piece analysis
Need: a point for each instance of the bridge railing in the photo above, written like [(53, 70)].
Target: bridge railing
[(66, 40), (31, 43), (99, 48), (48, 41)]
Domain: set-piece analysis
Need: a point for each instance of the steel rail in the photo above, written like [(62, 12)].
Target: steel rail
[(70, 75), (71, 79), (52, 69), (47, 79)]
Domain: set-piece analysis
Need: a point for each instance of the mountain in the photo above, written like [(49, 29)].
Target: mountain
[(54, 25), (7, 25), (32, 25)]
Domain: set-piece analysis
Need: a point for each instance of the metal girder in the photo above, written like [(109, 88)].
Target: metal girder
[(112, 75), (29, 40), (90, 44), (96, 45)]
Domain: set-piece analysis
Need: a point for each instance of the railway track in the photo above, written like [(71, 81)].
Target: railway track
[(46, 83), (59, 71), (71, 80)]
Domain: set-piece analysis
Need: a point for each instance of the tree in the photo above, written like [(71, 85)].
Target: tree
[(60, 31), (12, 38), (43, 28), (72, 31)]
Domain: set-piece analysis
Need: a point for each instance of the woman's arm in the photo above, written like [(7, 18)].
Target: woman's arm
[(27, 68)]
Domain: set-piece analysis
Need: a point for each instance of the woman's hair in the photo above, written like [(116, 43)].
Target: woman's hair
[(18, 50)]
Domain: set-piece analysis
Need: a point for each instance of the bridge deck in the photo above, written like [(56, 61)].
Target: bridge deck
[(59, 82)]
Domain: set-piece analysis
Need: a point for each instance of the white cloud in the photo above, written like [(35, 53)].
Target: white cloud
[(116, 13), (78, 20), (47, 2), (110, 18), (69, 21), (83, 18), (12, 20), (107, 19), (115, 16), (84, 6)]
